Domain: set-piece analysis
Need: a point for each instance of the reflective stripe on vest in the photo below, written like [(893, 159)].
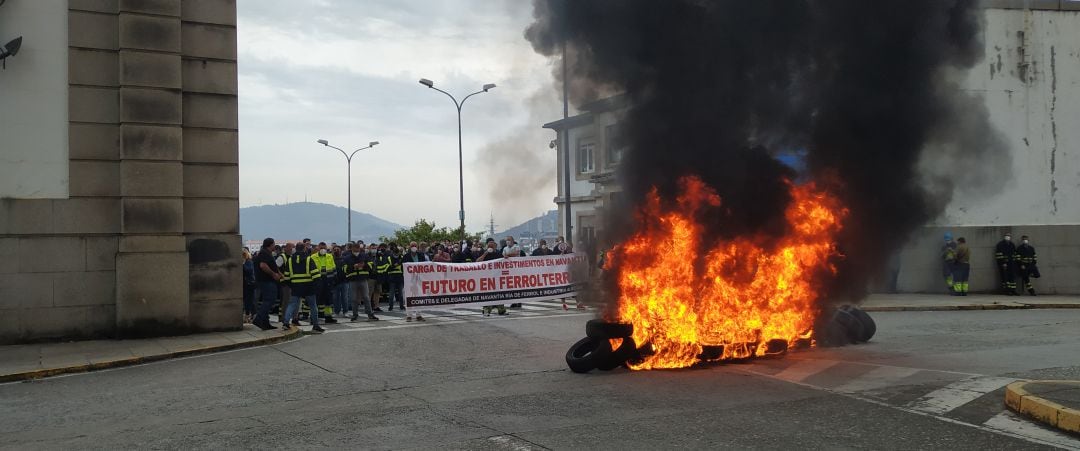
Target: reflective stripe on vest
[(303, 276)]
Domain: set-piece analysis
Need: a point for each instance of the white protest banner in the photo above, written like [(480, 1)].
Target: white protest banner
[(439, 286)]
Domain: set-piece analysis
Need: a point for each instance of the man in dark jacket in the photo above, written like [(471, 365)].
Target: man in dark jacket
[(396, 280), (541, 250), (1027, 262), (358, 270), (1005, 257)]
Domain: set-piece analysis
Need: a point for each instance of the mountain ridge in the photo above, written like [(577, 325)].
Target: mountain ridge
[(320, 222)]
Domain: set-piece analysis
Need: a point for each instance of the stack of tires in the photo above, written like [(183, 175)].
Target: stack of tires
[(606, 346), (847, 325)]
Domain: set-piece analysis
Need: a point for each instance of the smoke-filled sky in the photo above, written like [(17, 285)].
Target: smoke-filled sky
[(347, 71)]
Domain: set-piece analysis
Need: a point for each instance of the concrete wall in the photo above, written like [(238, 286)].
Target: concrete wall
[(1058, 248), (33, 107), (1030, 80), (148, 242)]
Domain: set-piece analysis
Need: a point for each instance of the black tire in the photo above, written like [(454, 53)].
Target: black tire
[(832, 334), (597, 328), (627, 350), (869, 326), (851, 324), (587, 353)]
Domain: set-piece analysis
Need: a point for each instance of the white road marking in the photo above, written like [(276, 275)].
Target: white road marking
[(1013, 434), (804, 369), (880, 377), (949, 397), (1008, 421), (510, 442)]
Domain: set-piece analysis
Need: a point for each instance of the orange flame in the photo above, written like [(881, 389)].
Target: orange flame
[(745, 293)]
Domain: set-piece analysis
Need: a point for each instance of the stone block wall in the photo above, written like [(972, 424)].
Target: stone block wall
[(148, 241)]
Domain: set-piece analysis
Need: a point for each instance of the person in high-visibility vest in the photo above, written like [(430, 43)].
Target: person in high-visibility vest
[(302, 271), (396, 282), (375, 280), (325, 282), (382, 270), (357, 270)]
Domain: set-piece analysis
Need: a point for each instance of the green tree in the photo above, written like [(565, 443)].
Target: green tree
[(425, 231)]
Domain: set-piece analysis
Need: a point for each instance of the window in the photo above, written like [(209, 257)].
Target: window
[(585, 157), (615, 144)]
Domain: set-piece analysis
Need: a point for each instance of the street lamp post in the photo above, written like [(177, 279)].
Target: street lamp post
[(461, 166), (348, 164)]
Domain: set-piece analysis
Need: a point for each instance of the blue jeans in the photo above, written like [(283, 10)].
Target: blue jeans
[(342, 298), (396, 287), (294, 305), (267, 295)]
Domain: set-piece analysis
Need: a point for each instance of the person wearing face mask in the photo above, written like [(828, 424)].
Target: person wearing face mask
[(383, 261), (325, 283), (441, 255), (396, 282), (358, 269), (303, 272), (541, 250), (463, 252), (340, 292), (1027, 262), (1005, 257), (267, 277), (491, 252), (413, 256), (375, 279), (562, 247)]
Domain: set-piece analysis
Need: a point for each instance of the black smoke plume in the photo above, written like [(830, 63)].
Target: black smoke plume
[(868, 89)]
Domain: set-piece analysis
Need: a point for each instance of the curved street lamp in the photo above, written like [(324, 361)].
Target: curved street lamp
[(461, 167), (348, 164)]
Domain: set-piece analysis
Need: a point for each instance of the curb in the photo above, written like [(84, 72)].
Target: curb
[(293, 333), (1020, 401), (944, 308)]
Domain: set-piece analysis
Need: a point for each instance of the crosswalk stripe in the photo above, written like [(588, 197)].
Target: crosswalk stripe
[(880, 377), (954, 395), (1008, 421), (804, 369)]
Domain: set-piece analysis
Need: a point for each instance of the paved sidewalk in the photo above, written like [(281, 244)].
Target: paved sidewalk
[(33, 361), (1056, 403), (938, 302)]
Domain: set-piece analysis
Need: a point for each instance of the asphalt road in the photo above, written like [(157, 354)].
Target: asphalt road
[(927, 381)]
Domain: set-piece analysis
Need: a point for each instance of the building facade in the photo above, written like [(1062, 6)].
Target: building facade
[(1030, 81), (119, 188)]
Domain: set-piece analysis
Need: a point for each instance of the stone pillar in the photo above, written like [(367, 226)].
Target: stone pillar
[(152, 294), (211, 172)]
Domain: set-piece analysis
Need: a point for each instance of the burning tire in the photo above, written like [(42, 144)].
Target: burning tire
[(587, 354), (627, 350), (601, 329), (868, 325)]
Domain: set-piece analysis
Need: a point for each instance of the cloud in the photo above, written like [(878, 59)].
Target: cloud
[(347, 71)]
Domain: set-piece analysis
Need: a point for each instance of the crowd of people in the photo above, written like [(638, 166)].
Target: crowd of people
[(322, 282), (1012, 262)]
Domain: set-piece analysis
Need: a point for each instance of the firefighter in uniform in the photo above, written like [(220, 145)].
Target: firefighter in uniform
[(357, 269), (1005, 256), (303, 272), (961, 268), (1028, 262), (325, 261), (948, 260)]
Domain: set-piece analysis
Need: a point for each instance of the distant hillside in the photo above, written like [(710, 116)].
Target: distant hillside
[(320, 222), (546, 225)]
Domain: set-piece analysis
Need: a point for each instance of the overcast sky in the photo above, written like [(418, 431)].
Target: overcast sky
[(347, 71)]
